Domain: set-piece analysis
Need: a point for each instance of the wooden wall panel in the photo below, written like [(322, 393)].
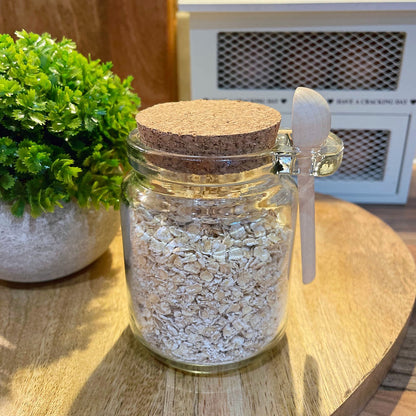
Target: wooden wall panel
[(138, 36), (142, 43)]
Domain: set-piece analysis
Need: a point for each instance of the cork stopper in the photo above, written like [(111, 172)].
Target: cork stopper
[(208, 128)]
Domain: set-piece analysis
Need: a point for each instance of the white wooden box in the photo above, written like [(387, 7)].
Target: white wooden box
[(361, 56)]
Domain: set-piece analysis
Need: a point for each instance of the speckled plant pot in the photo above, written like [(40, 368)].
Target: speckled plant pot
[(55, 244)]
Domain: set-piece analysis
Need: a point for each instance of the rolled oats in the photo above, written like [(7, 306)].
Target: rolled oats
[(208, 292), (206, 276)]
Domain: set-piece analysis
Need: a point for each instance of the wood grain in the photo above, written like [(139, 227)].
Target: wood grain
[(392, 403), (402, 218), (82, 21), (65, 348), (401, 377), (137, 36), (142, 40)]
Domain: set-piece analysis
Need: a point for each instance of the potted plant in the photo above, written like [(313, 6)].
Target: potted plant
[(63, 122)]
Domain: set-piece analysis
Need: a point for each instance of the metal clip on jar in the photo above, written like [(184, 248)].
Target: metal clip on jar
[(208, 218)]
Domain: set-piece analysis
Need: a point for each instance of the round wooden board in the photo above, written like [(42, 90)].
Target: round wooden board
[(65, 348)]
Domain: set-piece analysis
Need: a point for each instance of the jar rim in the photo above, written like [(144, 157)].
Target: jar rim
[(282, 158), (332, 146)]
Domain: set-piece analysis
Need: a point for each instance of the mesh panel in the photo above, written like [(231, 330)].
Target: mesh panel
[(365, 153), (320, 60)]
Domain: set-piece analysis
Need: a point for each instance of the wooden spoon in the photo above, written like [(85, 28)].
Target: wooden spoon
[(311, 122)]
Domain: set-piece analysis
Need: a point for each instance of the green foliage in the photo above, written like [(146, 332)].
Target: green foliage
[(63, 123)]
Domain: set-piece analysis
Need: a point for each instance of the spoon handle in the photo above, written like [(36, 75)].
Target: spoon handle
[(307, 220)]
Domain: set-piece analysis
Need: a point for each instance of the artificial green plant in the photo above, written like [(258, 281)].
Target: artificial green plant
[(63, 123)]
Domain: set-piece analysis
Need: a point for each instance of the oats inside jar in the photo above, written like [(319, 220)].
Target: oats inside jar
[(208, 292)]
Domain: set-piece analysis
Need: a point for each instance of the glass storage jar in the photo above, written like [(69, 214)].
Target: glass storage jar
[(208, 236)]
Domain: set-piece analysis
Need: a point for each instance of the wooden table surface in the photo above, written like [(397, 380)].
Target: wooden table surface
[(397, 393), (65, 349)]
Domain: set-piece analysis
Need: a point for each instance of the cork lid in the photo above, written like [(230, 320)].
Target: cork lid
[(209, 127)]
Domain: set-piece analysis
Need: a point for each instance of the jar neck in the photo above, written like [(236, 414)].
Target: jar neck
[(192, 185), (219, 174)]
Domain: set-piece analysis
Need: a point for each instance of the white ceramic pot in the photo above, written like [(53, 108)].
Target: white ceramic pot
[(54, 244)]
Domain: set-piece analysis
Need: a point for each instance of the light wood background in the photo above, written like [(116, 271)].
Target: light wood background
[(137, 36)]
